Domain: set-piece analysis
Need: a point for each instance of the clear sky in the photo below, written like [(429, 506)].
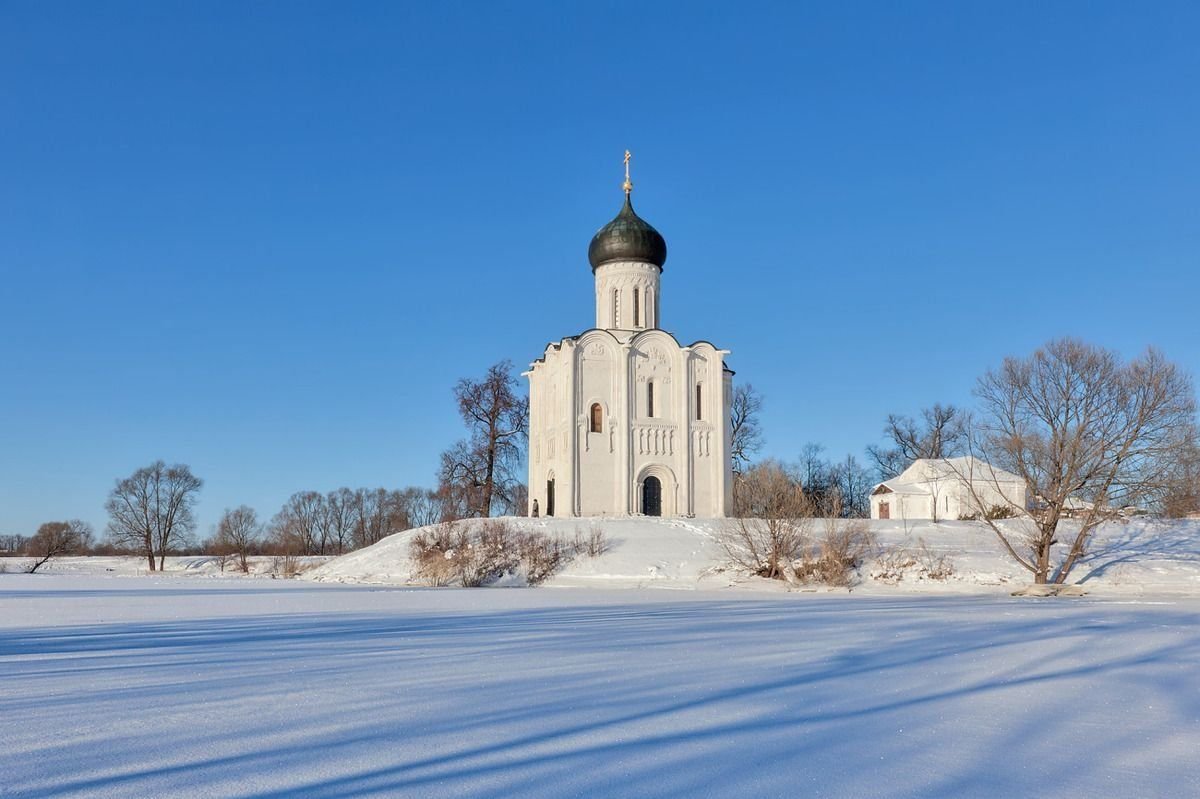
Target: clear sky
[(264, 239)]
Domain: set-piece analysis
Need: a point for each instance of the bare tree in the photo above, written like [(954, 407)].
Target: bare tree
[(746, 433), (339, 520), (853, 484), (55, 539), (423, 507), (370, 516), (152, 510), (13, 542), (482, 470), (299, 526), (1182, 495), (817, 479), (773, 517), (941, 432), (239, 533), (1076, 422)]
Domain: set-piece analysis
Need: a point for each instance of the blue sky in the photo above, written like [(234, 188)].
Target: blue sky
[(265, 239)]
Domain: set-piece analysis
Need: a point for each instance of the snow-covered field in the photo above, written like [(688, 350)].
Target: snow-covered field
[(161, 686), (1138, 557), (176, 566), (346, 683)]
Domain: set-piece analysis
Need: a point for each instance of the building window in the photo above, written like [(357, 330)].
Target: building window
[(637, 319), (616, 318), (597, 418), (699, 397), (650, 400)]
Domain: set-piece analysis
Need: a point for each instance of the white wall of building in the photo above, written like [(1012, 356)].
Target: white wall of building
[(947, 489), (683, 440)]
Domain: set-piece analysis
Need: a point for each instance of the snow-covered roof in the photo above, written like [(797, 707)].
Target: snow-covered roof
[(894, 486), (916, 478), (962, 467)]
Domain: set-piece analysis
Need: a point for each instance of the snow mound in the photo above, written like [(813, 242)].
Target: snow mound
[(1138, 556), (676, 553)]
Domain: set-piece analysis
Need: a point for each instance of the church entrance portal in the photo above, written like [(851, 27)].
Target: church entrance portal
[(550, 497), (651, 497)]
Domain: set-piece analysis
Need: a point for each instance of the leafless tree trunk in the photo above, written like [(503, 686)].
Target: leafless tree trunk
[(152, 509), (746, 432), (55, 539), (483, 468), (239, 532), (1075, 422)]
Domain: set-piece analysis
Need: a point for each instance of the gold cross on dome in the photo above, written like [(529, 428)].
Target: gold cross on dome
[(628, 185)]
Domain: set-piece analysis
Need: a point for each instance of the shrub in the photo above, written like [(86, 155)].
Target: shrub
[(774, 517), (836, 556), (433, 551), (286, 566), (891, 565), (486, 556), (999, 512), (934, 566), (922, 563), (541, 556), (594, 544), (452, 553)]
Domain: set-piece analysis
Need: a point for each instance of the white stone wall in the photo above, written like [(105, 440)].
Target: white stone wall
[(949, 498), (618, 285), (602, 473), (614, 365)]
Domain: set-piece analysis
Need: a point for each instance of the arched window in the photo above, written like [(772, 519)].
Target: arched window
[(651, 316), (637, 319), (616, 317), (699, 399), (650, 399), (597, 425)]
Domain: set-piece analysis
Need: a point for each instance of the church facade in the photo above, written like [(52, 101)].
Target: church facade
[(623, 419)]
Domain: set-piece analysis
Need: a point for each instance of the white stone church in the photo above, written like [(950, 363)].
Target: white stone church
[(623, 419)]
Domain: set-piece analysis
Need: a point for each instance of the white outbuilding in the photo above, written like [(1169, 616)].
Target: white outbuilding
[(947, 488), (623, 418)]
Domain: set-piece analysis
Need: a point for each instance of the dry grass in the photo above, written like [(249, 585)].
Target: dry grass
[(453, 553), (593, 543), (919, 562), (834, 558)]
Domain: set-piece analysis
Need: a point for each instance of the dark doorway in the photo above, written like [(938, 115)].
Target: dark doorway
[(651, 497), (885, 512), (550, 497)]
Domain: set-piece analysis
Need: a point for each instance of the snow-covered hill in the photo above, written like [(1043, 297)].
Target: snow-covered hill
[(1138, 556)]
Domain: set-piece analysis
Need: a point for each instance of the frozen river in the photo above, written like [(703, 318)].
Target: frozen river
[(126, 686)]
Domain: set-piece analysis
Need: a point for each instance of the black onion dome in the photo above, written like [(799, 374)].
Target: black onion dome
[(627, 238)]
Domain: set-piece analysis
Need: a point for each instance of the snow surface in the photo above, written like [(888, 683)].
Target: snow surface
[(161, 686), (1134, 557), (176, 566)]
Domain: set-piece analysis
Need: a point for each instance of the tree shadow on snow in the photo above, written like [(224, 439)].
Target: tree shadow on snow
[(696, 697)]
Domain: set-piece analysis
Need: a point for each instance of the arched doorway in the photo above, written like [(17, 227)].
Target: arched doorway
[(651, 496), (550, 497)]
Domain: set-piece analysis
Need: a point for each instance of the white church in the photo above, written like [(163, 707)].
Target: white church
[(623, 419)]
